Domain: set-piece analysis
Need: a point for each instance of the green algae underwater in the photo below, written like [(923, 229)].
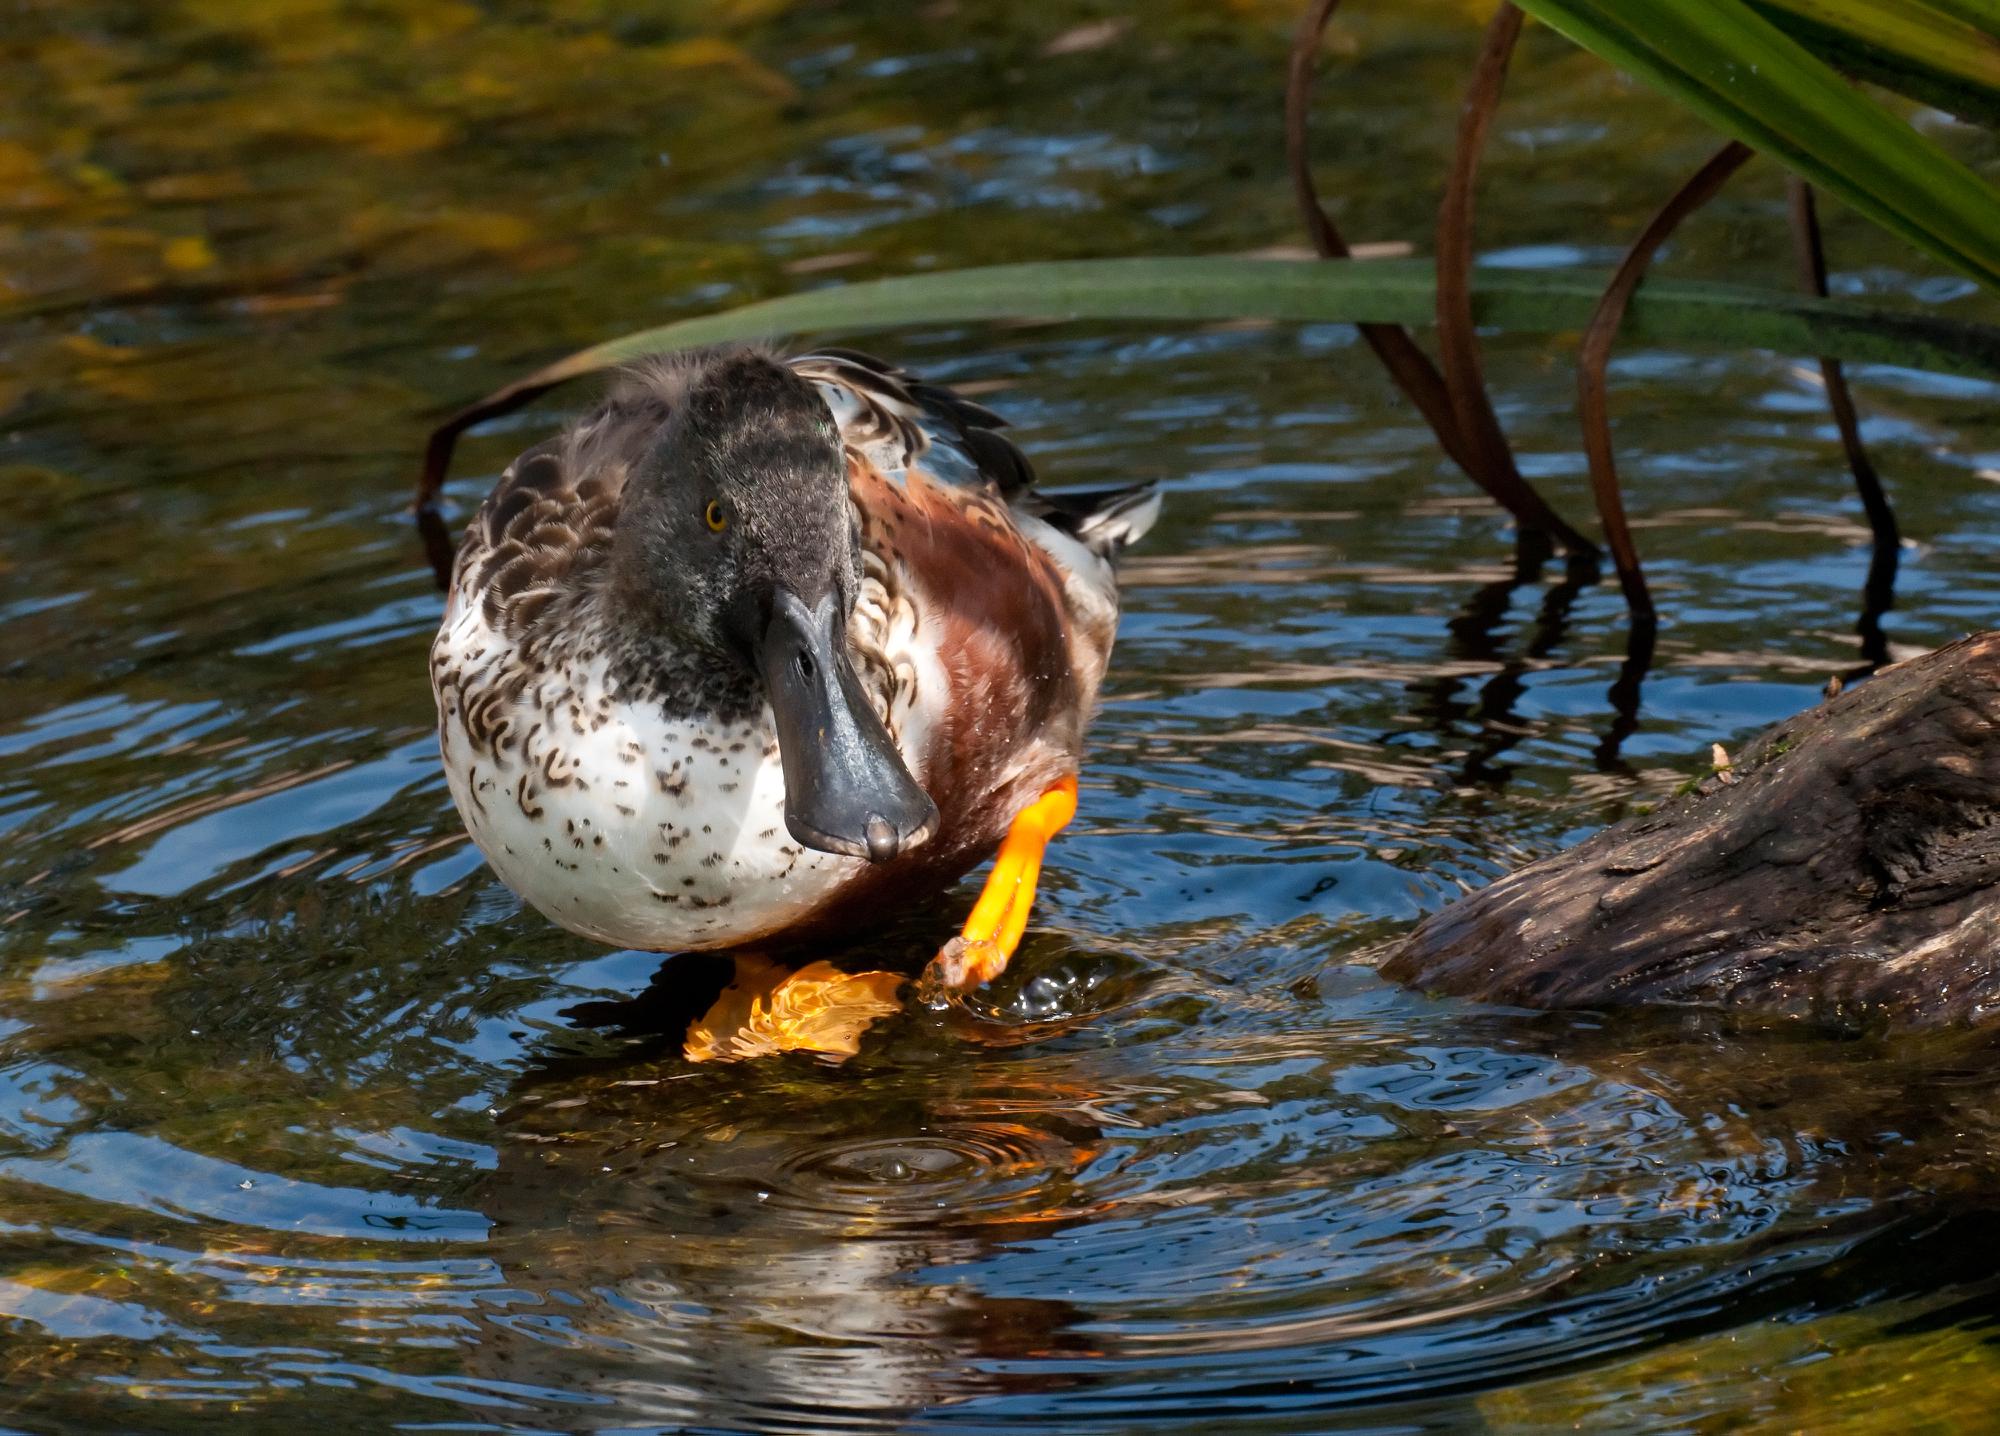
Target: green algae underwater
[(302, 1118)]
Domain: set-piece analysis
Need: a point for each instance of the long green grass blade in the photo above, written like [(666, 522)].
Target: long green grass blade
[(1378, 291), (1943, 55), (1747, 78)]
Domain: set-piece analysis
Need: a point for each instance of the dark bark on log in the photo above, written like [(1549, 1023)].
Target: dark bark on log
[(1846, 868)]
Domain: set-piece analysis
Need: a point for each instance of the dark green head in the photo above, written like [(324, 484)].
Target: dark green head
[(739, 491), (736, 537)]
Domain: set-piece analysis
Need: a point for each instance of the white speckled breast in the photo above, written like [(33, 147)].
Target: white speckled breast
[(618, 822)]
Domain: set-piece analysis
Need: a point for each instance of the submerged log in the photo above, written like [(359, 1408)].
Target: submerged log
[(1846, 867)]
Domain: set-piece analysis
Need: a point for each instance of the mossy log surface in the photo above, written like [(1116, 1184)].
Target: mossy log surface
[(1845, 867)]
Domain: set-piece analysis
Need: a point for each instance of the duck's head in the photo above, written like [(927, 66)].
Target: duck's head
[(736, 536)]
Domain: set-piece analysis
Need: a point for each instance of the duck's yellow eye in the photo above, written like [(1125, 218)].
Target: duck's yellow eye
[(716, 518)]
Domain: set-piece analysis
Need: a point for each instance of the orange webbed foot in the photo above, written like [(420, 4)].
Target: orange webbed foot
[(987, 942), (767, 1009)]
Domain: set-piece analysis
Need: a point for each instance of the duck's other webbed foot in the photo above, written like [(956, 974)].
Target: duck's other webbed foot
[(987, 942)]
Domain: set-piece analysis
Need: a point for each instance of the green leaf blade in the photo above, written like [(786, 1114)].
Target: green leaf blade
[(1943, 55), (1194, 290), (1746, 77)]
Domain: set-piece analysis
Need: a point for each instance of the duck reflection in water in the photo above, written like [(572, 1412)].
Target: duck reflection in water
[(772, 1243)]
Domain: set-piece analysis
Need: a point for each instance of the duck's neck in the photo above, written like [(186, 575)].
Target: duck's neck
[(649, 665)]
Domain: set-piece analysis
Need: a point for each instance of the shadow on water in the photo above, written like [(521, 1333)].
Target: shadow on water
[(1878, 596), (1475, 636), (1625, 693)]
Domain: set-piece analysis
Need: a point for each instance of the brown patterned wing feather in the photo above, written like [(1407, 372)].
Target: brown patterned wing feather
[(535, 537), (547, 525), (898, 422)]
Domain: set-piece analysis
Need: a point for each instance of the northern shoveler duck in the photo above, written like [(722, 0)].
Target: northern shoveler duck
[(764, 643)]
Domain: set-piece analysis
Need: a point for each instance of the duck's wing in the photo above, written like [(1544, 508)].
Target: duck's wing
[(1013, 603), (537, 534), (547, 525), (897, 423)]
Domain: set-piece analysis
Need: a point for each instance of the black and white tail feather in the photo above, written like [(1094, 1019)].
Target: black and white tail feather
[(1102, 520)]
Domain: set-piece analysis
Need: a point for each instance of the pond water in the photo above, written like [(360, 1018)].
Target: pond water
[(302, 1118)]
